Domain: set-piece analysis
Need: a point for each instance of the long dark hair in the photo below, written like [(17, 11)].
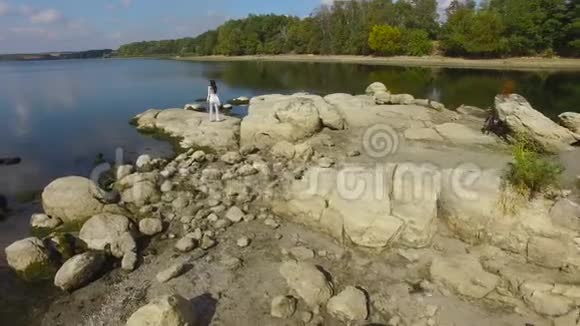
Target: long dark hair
[(213, 86)]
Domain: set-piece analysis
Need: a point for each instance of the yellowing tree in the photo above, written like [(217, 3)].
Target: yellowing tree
[(385, 40)]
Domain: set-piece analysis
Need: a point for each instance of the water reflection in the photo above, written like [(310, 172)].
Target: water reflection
[(553, 93)]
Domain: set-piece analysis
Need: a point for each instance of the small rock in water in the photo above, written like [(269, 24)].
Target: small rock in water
[(302, 253), (349, 305), (143, 161), (243, 242), (129, 262), (207, 242), (43, 221), (150, 226), (283, 306), (186, 244), (173, 271), (235, 214), (325, 162)]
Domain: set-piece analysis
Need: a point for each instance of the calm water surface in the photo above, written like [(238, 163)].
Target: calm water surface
[(59, 115)]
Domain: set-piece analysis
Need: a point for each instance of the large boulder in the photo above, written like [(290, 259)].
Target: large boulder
[(108, 231), (570, 120), (139, 189), (292, 118), (192, 128), (30, 260), (519, 116), (307, 281), (171, 310), (79, 270), (72, 199), (376, 87), (273, 118)]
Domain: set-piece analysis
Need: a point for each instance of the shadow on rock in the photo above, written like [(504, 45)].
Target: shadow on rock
[(205, 307)]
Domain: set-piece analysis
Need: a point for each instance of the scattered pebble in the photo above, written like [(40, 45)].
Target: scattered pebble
[(231, 263), (243, 242), (325, 162), (222, 224), (235, 214), (271, 223), (173, 271), (249, 217), (306, 316), (129, 262), (207, 242), (283, 306), (186, 244), (353, 153)]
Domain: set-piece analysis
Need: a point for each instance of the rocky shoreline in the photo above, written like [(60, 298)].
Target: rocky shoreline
[(375, 209)]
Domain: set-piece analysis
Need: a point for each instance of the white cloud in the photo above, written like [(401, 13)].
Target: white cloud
[(47, 16)]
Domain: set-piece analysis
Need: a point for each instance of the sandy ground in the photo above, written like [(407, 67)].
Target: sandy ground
[(533, 63), (241, 296)]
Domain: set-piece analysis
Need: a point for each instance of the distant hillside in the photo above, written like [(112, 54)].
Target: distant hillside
[(57, 55)]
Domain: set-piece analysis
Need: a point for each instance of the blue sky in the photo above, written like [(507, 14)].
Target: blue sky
[(54, 25)]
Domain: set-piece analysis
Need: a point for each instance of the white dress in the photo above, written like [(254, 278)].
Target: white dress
[(212, 97)]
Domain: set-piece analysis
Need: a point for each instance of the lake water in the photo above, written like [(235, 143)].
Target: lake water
[(59, 115)]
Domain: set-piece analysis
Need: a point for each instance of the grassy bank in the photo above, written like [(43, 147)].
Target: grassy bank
[(430, 61)]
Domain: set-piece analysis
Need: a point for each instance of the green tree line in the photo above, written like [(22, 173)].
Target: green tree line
[(494, 28)]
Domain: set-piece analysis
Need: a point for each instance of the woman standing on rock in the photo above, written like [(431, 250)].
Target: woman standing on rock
[(213, 100)]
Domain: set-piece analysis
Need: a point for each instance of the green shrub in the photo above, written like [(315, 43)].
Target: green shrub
[(386, 40), (530, 172), (416, 42)]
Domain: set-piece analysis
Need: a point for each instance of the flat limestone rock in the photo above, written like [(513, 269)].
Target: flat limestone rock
[(193, 128), (463, 135), (464, 274)]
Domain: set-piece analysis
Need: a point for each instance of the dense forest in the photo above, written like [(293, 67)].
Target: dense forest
[(492, 28)]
